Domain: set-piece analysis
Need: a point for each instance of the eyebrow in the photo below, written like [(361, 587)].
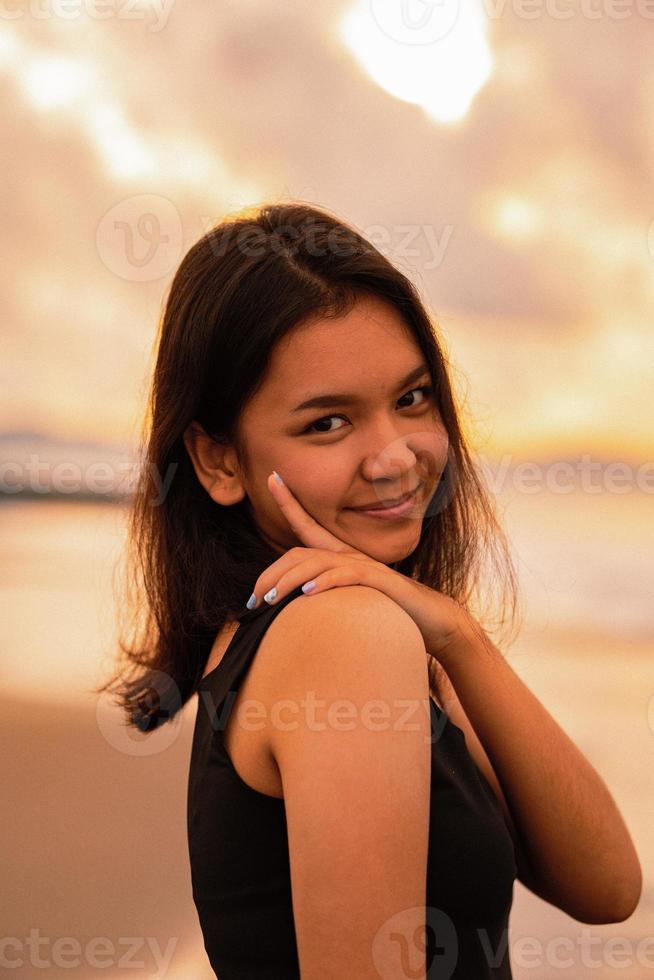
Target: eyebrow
[(340, 398)]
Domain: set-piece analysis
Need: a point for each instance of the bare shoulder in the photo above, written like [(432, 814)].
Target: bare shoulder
[(351, 644), (317, 637), (352, 610)]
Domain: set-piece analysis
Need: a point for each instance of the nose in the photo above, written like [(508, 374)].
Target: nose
[(394, 462)]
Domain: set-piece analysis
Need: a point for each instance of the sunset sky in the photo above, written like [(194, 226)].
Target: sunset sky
[(519, 151)]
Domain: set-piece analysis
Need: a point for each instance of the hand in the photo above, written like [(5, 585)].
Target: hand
[(328, 562)]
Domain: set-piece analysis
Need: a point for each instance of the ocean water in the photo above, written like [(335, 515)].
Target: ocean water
[(94, 843)]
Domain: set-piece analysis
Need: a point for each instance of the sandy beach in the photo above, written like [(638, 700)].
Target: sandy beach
[(94, 848)]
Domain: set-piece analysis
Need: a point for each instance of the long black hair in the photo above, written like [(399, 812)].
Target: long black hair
[(191, 562)]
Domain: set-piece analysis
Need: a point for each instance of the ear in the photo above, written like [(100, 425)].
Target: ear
[(215, 466)]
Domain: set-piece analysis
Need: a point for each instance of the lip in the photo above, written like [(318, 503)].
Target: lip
[(405, 505)]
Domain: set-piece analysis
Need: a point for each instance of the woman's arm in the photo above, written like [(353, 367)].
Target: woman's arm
[(578, 851), (356, 786), (456, 714)]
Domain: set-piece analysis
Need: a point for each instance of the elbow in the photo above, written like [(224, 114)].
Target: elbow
[(628, 903), (616, 912), (632, 890), (618, 907)]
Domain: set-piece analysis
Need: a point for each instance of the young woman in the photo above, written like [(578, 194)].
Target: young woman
[(368, 775)]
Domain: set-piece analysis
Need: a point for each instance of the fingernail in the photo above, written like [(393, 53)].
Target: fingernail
[(269, 596), (278, 478), (308, 586), (252, 601)]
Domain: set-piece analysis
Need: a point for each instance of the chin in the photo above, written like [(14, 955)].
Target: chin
[(387, 554)]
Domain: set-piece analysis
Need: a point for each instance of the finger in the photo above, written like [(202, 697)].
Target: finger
[(279, 580), (308, 530), (314, 575)]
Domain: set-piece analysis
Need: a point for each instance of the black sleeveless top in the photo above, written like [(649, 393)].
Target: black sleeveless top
[(238, 847)]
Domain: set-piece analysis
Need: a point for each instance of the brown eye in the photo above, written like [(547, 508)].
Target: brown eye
[(425, 390)]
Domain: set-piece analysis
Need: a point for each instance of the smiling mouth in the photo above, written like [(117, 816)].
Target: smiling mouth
[(390, 505)]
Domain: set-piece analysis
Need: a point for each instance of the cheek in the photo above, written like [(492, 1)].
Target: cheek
[(317, 487), (432, 450)]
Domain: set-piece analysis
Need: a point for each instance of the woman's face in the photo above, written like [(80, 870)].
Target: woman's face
[(377, 441)]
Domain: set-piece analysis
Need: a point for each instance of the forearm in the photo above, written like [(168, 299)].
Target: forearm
[(574, 837)]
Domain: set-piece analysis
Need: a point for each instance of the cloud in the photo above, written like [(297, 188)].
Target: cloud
[(539, 200)]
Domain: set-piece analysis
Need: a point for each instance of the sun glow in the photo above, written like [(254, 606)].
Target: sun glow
[(438, 58)]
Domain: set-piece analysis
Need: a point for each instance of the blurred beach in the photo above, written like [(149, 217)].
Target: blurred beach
[(94, 845)]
